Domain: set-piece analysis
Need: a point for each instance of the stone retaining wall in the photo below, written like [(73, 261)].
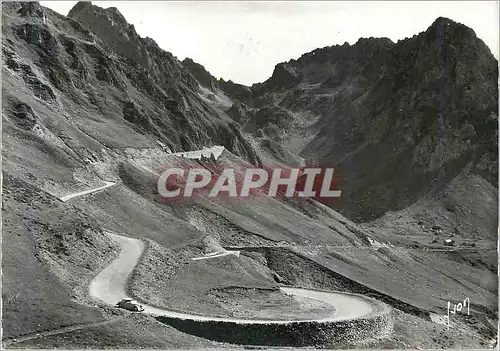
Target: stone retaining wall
[(291, 334)]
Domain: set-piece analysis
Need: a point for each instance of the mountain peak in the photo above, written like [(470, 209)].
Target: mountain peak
[(80, 6), (86, 10), (200, 73), (445, 21), (374, 41), (451, 30), (31, 9), (111, 27)]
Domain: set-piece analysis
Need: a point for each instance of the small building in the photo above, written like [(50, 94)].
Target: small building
[(437, 229), (449, 242)]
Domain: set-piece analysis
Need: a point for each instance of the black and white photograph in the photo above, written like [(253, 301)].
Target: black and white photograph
[(249, 175)]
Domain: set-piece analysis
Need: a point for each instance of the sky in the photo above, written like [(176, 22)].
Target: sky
[(243, 41)]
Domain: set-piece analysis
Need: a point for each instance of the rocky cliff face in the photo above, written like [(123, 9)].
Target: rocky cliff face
[(94, 61), (382, 113), (200, 73)]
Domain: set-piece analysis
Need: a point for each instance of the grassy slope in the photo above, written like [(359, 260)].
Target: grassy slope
[(33, 297), (466, 212), (133, 332)]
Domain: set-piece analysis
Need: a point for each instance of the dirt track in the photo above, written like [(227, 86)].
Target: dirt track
[(42, 334), (86, 192), (110, 286)]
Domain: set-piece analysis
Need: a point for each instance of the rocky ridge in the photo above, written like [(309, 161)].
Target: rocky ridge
[(373, 111)]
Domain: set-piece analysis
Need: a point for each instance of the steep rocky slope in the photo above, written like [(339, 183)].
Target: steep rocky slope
[(373, 110), (94, 62)]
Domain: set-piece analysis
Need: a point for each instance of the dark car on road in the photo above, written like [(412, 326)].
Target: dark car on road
[(130, 304)]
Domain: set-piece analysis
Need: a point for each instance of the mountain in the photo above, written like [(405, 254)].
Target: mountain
[(96, 59), (90, 108), (373, 111)]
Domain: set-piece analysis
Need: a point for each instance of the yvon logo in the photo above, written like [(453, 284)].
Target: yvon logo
[(214, 181)]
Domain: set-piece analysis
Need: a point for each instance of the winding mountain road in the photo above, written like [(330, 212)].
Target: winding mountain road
[(86, 192), (110, 286), (215, 254), (216, 151)]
